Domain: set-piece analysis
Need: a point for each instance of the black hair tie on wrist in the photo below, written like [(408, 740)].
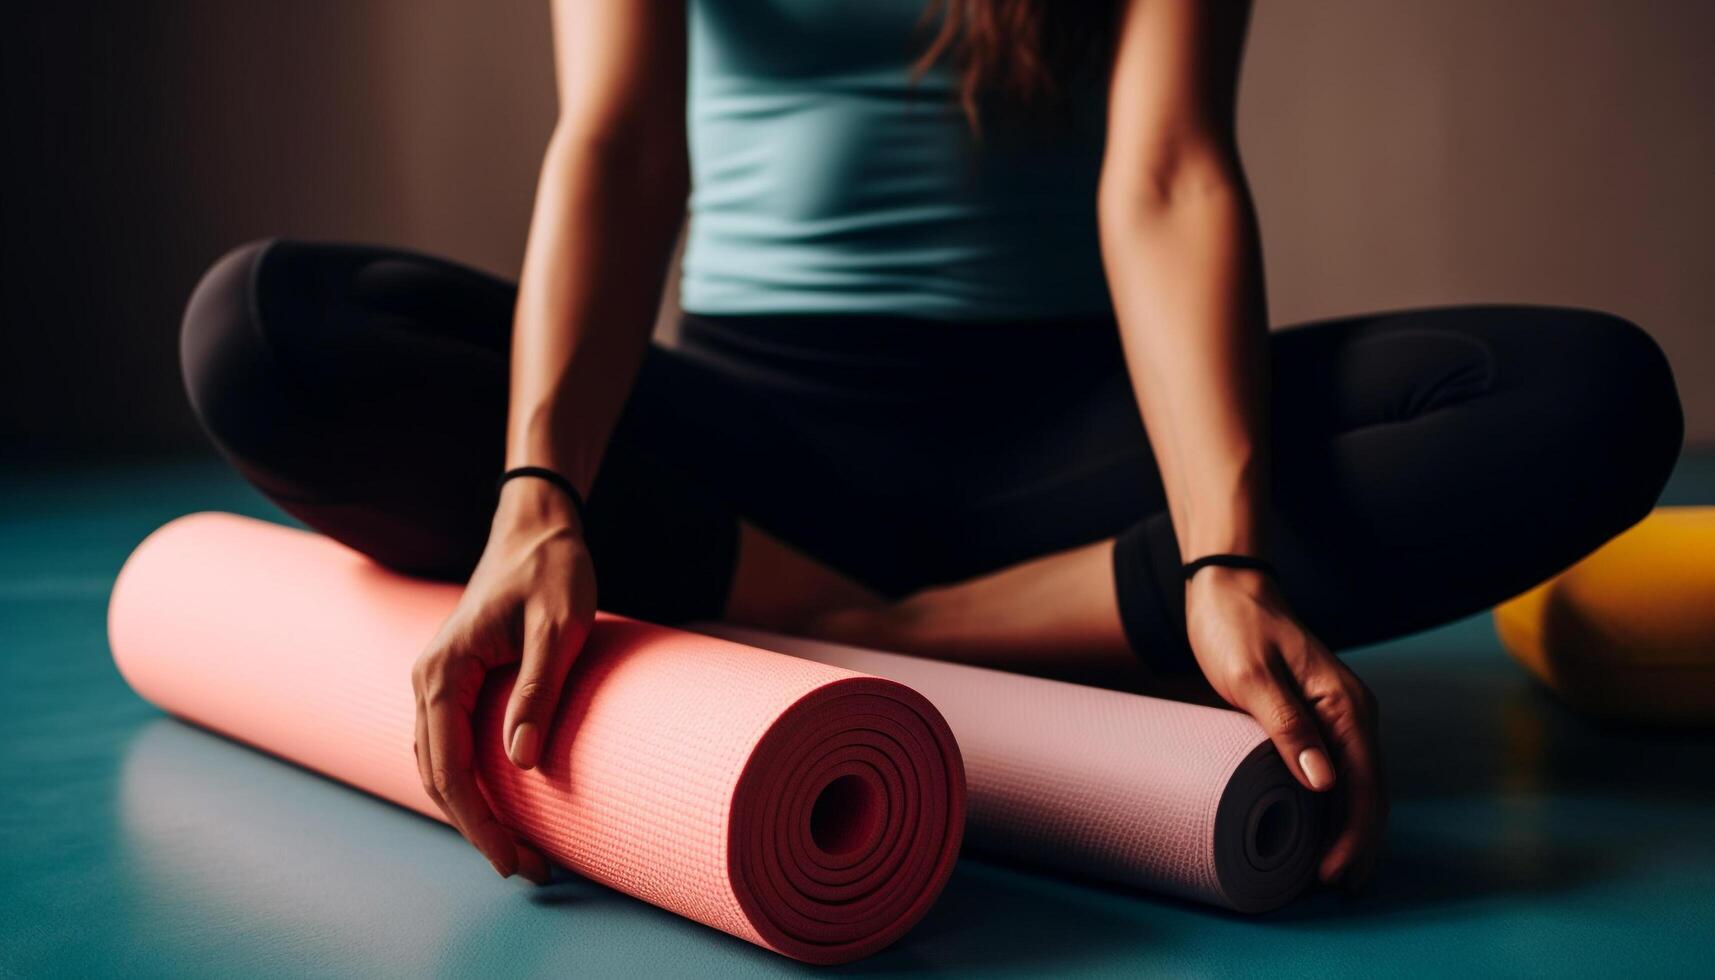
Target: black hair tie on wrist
[(543, 473), (1229, 561)]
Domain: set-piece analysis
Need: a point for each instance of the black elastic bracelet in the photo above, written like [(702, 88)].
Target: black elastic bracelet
[(1191, 568), (544, 473)]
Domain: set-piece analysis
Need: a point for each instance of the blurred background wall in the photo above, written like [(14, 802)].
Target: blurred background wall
[(1403, 152)]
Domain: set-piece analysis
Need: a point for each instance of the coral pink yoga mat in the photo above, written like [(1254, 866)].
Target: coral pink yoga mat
[(1171, 797), (804, 807)]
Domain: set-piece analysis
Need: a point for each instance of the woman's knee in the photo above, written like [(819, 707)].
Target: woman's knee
[(230, 374), (1630, 411)]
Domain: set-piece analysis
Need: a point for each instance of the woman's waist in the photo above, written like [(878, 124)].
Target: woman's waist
[(905, 358)]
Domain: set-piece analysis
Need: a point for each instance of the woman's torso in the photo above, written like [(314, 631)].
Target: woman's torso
[(827, 180)]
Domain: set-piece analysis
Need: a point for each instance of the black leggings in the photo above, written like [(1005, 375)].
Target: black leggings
[(1427, 464)]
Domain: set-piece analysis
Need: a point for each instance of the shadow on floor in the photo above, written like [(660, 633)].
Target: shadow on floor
[(1460, 727), (238, 836)]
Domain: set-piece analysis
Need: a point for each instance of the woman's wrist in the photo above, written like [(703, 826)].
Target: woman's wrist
[(1224, 577), (1213, 588), (534, 503), (1241, 561), (1234, 527)]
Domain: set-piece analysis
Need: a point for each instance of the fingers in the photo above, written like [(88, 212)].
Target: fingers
[(531, 862), (1346, 712), (448, 679), (420, 746), (1282, 713), (448, 694), (1353, 851), (547, 658)]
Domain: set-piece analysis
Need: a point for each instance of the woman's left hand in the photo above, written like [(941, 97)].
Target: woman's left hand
[(1258, 657)]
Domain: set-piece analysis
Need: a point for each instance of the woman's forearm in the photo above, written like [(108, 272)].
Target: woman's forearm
[(608, 209), (1183, 264)]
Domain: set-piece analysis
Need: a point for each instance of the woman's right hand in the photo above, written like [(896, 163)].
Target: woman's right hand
[(530, 601), (1257, 656)]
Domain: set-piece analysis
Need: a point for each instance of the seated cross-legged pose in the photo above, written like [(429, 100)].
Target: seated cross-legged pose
[(975, 364)]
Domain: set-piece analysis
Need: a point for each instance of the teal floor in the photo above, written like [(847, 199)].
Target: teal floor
[(1524, 839)]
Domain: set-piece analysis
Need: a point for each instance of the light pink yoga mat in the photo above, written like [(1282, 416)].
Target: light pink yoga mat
[(804, 807), (1161, 795)]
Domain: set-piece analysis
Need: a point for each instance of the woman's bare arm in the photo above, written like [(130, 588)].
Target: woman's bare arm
[(610, 200), (1180, 243), (1183, 260), (608, 207)]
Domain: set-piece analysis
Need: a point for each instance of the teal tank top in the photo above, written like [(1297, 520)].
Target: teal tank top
[(825, 179)]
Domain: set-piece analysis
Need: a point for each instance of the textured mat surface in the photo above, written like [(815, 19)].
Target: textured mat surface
[(1525, 839), (804, 807), (1176, 798)]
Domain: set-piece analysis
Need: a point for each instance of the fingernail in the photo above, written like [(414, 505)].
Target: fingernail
[(526, 745), (500, 869), (1314, 762)]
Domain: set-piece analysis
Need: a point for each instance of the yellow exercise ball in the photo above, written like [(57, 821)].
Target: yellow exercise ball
[(1629, 632)]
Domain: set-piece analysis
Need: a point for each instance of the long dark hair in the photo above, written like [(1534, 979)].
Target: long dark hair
[(1026, 53)]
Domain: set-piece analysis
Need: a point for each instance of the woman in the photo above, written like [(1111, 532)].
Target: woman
[(945, 269)]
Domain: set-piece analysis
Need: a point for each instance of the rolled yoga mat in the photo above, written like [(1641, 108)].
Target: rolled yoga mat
[(806, 808), (1178, 798)]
